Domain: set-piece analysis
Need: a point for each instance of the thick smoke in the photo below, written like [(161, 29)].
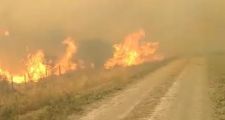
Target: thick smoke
[(180, 26)]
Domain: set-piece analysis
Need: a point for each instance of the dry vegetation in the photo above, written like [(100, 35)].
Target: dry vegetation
[(216, 74), (57, 97)]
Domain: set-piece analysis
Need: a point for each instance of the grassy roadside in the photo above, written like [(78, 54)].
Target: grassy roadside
[(216, 76), (56, 99)]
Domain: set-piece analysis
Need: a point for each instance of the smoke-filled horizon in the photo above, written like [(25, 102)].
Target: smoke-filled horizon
[(180, 26)]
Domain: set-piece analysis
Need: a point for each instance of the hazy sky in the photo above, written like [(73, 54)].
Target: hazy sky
[(180, 26)]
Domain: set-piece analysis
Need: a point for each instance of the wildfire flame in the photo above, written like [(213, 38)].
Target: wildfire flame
[(133, 51), (36, 69), (65, 63), (4, 74)]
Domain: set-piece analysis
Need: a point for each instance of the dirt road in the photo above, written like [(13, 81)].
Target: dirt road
[(177, 91), (187, 99)]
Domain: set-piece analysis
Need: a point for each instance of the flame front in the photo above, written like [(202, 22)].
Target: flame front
[(19, 78), (133, 51), (65, 63), (4, 74), (36, 69)]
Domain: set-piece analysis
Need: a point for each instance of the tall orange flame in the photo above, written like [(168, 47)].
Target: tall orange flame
[(36, 69), (133, 51), (65, 63)]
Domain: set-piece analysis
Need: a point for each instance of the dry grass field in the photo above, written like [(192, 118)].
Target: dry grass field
[(57, 97), (216, 73)]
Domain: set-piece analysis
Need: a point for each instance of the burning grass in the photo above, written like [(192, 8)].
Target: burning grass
[(57, 97), (130, 52), (51, 89), (133, 51), (37, 67)]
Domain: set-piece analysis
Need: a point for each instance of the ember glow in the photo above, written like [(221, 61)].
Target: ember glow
[(4, 32), (133, 51), (36, 67)]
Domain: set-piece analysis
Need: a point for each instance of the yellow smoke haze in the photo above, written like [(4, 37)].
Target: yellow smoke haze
[(180, 26)]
